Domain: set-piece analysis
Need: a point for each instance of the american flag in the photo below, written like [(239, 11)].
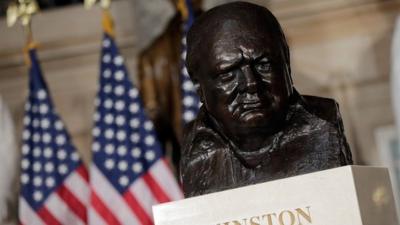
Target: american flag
[(54, 182), (129, 173), (190, 100)]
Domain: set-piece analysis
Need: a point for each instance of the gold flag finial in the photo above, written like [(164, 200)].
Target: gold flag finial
[(105, 4), (21, 10)]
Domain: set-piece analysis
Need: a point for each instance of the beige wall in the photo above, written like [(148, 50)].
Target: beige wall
[(340, 49)]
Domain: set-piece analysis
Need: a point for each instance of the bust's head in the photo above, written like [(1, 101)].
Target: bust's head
[(239, 60)]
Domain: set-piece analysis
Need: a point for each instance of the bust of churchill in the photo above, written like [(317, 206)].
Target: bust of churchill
[(253, 125)]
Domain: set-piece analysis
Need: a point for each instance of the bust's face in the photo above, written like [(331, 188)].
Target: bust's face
[(242, 79)]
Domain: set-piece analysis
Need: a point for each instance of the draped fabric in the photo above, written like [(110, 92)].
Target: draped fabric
[(395, 73), (395, 89), (8, 162)]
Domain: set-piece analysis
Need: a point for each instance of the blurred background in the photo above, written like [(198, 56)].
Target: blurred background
[(340, 49)]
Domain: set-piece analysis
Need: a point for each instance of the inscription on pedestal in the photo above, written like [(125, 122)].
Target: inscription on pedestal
[(299, 216)]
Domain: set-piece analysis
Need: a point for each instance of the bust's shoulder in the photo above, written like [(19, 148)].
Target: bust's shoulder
[(199, 137), (324, 108)]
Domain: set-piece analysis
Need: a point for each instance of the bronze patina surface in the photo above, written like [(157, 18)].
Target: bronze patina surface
[(253, 126)]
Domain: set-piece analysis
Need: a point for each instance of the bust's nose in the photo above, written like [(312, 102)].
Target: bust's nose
[(248, 79)]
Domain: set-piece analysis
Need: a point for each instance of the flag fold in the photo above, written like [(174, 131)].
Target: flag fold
[(129, 173), (54, 181)]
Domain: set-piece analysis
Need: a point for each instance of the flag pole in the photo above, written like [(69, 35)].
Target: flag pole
[(30, 43), (29, 35), (23, 10), (107, 19), (108, 22), (182, 8)]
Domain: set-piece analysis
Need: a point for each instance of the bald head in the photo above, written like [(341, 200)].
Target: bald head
[(233, 21)]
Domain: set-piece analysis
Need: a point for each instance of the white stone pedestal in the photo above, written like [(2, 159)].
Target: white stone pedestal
[(351, 195)]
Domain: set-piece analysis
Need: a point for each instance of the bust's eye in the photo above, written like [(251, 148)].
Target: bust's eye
[(263, 67), (226, 77)]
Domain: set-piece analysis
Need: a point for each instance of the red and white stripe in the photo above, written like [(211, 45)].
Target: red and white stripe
[(27, 215), (67, 205), (161, 173), (135, 205)]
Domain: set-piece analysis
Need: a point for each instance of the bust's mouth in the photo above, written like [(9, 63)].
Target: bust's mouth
[(251, 105), (247, 108)]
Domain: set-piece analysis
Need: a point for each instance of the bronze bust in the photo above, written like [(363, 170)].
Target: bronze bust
[(253, 126)]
